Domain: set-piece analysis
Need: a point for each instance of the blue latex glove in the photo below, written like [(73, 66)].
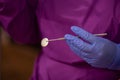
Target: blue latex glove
[(96, 51)]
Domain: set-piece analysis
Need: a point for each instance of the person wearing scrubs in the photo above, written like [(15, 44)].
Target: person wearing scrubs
[(82, 55)]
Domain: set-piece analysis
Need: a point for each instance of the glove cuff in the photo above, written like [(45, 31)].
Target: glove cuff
[(116, 62)]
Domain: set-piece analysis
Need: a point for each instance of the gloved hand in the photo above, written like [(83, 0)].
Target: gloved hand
[(96, 51)]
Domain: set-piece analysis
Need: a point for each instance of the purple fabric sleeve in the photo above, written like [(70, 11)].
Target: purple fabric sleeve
[(18, 20), (117, 10)]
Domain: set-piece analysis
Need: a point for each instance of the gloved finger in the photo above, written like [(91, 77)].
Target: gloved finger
[(74, 49), (90, 60), (83, 34), (87, 59), (78, 43), (83, 55), (89, 55), (78, 52)]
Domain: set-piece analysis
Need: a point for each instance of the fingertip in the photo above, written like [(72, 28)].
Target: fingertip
[(74, 27), (67, 36)]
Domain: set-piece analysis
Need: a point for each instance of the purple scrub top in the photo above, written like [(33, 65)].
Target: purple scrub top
[(28, 21)]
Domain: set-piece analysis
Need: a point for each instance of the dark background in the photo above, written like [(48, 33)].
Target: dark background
[(16, 60)]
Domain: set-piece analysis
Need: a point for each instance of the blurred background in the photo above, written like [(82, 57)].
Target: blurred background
[(16, 60)]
